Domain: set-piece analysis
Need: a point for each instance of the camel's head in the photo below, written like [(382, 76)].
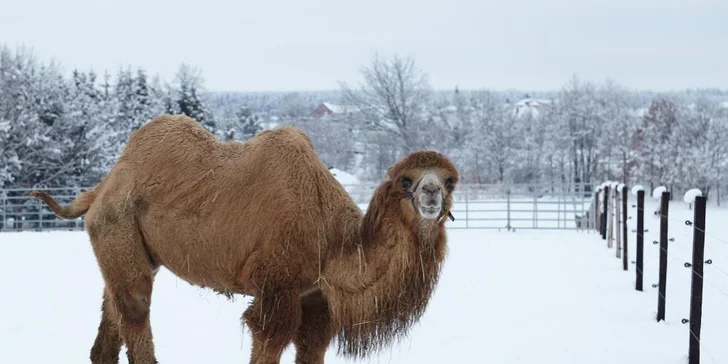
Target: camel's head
[(405, 225), (426, 181)]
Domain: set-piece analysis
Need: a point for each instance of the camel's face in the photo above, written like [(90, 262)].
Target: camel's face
[(427, 180), (430, 195), (430, 191)]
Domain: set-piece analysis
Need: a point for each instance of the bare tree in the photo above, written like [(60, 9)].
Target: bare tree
[(392, 98), (616, 113)]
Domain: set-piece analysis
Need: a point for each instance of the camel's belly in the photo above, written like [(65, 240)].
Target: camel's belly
[(197, 258), (229, 262)]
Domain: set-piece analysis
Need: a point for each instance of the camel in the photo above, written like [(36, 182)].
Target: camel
[(264, 218)]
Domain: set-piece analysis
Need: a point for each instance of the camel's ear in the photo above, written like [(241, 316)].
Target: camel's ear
[(389, 172)]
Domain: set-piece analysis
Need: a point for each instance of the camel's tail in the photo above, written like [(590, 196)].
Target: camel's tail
[(78, 206)]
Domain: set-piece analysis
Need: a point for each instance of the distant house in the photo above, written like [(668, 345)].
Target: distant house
[(329, 109), (527, 107)]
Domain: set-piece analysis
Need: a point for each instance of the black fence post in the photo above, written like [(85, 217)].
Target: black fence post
[(625, 262), (664, 206), (640, 238), (696, 284), (605, 210), (596, 219), (600, 223), (617, 231)]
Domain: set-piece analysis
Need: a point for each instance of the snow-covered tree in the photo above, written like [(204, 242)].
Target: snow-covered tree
[(67, 129), (700, 141), (189, 84), (655, 135), (249, 123), (617, 113)]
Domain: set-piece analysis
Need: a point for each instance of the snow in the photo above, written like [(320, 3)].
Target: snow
[(639, 112), (690, 195), (341, 109), (657, 193), (637, 188), (526, 297), (343, 177)]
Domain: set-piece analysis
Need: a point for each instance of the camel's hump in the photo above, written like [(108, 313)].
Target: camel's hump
[(287, 133)]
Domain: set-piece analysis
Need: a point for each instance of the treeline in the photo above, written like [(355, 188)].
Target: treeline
[(66, 129), (63, 130), (584, 133)]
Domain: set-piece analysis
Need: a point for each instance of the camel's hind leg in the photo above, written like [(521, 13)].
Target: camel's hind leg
[(316, 330), (129, 273), (273, 319), (108, 340)]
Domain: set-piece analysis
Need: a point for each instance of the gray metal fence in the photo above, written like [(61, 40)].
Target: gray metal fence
[(476, 206)]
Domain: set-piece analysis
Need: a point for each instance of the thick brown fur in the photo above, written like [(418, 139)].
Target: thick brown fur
[(263, 218)]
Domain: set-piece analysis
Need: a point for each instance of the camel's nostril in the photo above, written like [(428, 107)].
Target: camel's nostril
[(431, 189)]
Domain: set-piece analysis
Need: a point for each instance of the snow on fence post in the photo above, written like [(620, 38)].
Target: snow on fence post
[(696, 283), (625, 264), (640, 192), (662, 285)]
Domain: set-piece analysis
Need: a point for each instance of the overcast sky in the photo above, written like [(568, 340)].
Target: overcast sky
[(310, 45)]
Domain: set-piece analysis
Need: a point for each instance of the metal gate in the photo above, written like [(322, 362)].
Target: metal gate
[(476, 206)]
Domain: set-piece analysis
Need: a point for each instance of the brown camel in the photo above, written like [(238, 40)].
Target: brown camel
[(264, 218)]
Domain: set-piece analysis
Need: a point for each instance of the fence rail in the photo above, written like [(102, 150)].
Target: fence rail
[(476, 206)]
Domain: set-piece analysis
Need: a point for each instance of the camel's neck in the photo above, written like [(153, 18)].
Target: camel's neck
[(370, 243), (381, 280)]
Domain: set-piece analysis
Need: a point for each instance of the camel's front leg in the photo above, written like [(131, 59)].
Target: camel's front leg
[(273, 319), (316, 330)]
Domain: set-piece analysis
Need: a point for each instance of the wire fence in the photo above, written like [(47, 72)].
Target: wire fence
[(678, 264), (475, 206)]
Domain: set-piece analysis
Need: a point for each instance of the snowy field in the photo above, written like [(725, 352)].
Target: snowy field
[(533, 296)]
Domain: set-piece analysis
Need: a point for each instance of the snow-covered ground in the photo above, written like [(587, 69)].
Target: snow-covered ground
[(525, 297)]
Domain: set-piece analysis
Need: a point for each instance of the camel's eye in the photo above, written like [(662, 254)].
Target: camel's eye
[(406, 183), (449, 184)]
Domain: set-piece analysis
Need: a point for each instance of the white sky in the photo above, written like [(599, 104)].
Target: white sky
[(310, 45)]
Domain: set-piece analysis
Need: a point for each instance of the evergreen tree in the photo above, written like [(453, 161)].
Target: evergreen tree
[(249, 123), (188, 102)]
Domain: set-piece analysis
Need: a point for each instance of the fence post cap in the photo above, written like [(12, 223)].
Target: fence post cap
[(691, 195), (637, 188), (657, 193)]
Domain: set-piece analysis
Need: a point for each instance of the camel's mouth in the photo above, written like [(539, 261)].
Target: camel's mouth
[(430, 213)]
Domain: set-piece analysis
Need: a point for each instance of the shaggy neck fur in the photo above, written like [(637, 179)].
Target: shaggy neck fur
[(398, 261)]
